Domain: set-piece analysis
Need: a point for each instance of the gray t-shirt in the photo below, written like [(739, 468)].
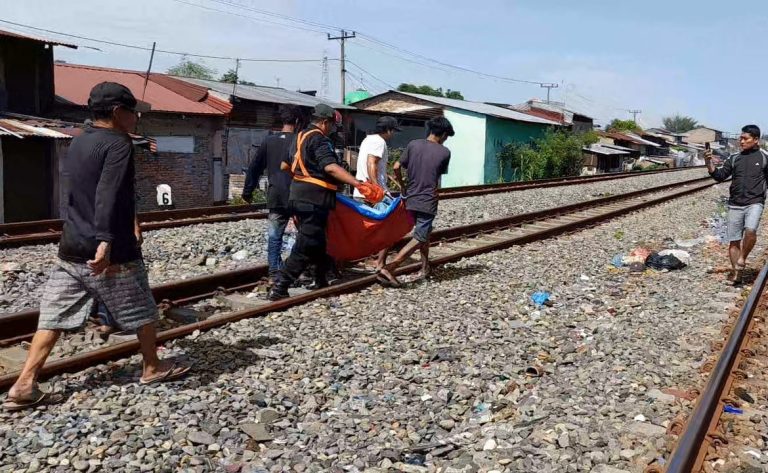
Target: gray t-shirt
[(425, 162)]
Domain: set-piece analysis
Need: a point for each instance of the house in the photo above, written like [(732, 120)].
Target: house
[(254, 114), (633, 141), (28, 147), (703, 134), (482, 131), (601, 158), (557, 111), (186, 122)]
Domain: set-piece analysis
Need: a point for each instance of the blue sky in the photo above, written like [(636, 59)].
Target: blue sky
[(699, 58)]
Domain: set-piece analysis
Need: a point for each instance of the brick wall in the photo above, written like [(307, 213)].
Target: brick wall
[(190, 175)]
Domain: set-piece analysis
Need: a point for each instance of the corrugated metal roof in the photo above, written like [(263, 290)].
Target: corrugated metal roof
[(627, 136), (604, 150), (481, 108), (260, 93), (10, 34), (21, 129), (74, 84)]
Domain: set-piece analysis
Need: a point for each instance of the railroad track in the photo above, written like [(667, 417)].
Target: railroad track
[(448, 245), (704, 437), (49, 231)]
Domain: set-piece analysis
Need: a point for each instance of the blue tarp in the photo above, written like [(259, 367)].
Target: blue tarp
[(381, 212)]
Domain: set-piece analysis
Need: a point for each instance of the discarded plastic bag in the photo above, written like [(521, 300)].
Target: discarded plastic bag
[(618, 260), (689, 243), (540, 298), (683, 256), (640, 252), (670, 262), (289, 237)]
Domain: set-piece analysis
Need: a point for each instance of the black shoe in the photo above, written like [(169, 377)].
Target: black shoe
[(318, 284), (278, 292)]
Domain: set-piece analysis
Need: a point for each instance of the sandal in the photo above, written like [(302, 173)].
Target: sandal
[(36, 398), (176, 371)]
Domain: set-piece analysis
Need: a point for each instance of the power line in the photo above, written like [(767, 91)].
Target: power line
[(388, 85), (314, 30), (165, 51), (364, 36), (277, 15)]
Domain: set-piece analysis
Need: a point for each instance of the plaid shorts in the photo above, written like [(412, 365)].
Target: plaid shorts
[(123, 288)]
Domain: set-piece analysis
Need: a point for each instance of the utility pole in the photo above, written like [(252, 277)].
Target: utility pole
[(549, 88), (344, 36), (149, 69), (634, 114), (237, 77)]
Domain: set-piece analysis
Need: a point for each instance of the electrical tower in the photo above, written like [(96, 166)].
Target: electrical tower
[(634, 114), (324, 89)]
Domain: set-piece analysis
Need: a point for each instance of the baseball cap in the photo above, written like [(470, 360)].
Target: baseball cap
[(324, 111), (107, 95), (387, 123)]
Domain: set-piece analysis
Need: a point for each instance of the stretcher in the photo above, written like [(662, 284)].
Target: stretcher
[(356, 230)]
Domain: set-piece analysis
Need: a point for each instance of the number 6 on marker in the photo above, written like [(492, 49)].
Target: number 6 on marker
[(164, 195)]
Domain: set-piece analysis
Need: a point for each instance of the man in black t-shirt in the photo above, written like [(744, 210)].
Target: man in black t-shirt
[(274, 150), (425, 161), (99, 254), (316, 177)]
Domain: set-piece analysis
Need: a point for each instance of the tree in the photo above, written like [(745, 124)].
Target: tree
[(188, 68), (679, 123), (556, 154), (453, 94), (623, 125), (230, 76), (429, 90)]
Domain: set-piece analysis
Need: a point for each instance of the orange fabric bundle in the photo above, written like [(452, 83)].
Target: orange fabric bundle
[(356, 231)]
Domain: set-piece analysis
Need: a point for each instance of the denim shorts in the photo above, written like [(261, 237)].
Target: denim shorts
[(743, 217), (423, 226)]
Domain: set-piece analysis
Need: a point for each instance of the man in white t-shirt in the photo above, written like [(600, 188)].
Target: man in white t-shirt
[(372, 163)]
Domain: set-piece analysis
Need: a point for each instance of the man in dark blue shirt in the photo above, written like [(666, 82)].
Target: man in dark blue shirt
[(274, 151), (425, 161)]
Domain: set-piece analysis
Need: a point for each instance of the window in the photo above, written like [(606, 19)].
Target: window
[(175, 144)]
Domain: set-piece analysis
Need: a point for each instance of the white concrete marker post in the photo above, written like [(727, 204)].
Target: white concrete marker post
[(164, 198)]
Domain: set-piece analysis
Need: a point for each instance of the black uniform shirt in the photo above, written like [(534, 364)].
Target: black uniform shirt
[(317, 154)]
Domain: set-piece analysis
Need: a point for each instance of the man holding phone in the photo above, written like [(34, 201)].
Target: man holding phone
[(749, 172)]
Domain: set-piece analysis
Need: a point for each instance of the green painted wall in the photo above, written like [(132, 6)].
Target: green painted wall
[(467, 149), (500, 132)]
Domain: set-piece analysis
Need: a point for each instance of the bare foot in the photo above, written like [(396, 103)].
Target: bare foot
[(386, 278)]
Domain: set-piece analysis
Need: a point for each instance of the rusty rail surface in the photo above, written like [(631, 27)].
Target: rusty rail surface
[(49, 231), (471, 191), (21, 325), (701, 429), (178, 289)]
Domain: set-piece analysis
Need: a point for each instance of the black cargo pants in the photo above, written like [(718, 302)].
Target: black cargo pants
[(310, 247)]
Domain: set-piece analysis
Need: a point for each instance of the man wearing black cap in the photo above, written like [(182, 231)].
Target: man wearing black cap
[(99, 252), (372, 163), (316, 177)]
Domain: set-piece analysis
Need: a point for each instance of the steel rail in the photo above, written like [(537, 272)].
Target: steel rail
[(128, 348), (21, 325), (692, 444), (471, 191), (49, 231)]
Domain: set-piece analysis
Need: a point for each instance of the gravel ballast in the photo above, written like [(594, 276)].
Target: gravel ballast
[(180, 253), (431, 377)]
